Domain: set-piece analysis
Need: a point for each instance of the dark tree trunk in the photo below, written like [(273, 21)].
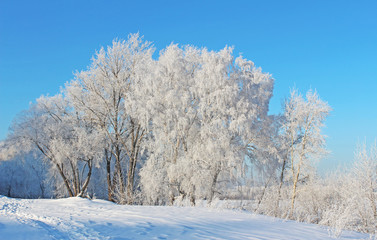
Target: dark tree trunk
[(213, 185), (87, 180), (65, 180), (280, 186), (110, 185)]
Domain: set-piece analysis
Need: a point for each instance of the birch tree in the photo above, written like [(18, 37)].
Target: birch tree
[(304, 120)]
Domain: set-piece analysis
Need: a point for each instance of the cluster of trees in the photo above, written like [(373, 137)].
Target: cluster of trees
[(191, 125)]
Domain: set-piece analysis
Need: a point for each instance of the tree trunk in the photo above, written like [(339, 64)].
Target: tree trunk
[(9, 190), (65, 180), (294, 190), (110, 187), (136, 138), (301, 159), (130, 181), (280, 186), (172, 198), (263, 192), (60, 168), (213, 185), (87, 180), (372, 200), (75, 180), (119, 175), (293, 197), (192, 200)]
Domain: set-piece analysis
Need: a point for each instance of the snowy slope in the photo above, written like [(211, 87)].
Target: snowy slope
[(76, 218)]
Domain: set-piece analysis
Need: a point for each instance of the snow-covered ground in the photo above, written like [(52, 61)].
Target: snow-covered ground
[(77, 218)]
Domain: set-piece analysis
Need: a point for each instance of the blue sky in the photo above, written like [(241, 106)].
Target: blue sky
[(329, 45)]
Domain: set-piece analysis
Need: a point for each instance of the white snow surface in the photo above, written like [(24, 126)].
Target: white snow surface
[(78, 218)]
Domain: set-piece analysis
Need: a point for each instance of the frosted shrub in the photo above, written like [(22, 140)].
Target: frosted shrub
[(355, 209)]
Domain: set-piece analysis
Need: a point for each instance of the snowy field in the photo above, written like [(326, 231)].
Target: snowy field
[(77, 218)]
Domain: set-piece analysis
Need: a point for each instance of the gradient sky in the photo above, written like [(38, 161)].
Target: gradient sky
[(328, 45)]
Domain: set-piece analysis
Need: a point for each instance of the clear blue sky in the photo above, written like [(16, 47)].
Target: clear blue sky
[(327, 45)]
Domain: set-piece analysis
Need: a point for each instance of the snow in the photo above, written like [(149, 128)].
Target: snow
[(78, 218)]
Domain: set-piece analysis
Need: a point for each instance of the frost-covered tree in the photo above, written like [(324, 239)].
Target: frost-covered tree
[(173, 114), (304, 119), (68, 144), (105, 95), (205, 117)]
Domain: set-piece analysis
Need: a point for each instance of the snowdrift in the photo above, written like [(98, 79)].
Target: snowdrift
[(78, 218)]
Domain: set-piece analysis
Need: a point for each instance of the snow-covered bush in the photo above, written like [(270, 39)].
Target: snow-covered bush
[(356, 195)]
